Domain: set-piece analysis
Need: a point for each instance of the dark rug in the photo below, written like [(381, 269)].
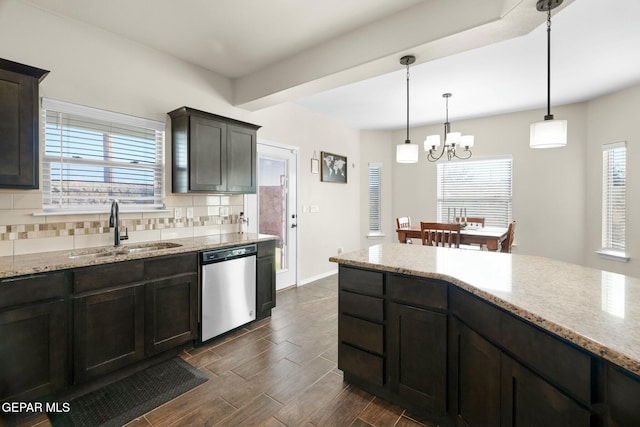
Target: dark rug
[(122, 401)]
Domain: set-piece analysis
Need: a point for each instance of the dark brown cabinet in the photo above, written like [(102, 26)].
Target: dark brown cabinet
[(212, 153), (19, 124), (34, 329), (127, 311), (530, 401), (108, 331), (622, 390), (474, 378), (265, 279)]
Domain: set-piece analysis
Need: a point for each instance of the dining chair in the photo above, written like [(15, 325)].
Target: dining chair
[(404, 222), (440, 234), (508, 242), (473, 220)]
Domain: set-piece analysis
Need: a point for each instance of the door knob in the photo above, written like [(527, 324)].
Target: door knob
[(294, 225)]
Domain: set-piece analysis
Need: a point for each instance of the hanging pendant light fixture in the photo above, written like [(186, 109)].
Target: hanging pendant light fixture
[(548, 133), (407, 152), (452, 141)]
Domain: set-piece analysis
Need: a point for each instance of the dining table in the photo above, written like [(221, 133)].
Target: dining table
[(491, 237)]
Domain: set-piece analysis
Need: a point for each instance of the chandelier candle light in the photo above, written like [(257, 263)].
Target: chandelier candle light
[(407, 152), (452, 141), (548, 133)]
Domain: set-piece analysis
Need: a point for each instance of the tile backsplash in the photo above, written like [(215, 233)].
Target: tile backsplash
[(22, 232)]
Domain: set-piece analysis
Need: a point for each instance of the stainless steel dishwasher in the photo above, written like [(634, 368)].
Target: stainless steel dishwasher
[(228, 289)]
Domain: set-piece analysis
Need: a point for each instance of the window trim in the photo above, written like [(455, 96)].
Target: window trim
[(609, 252), (63, 107), (374, 233)]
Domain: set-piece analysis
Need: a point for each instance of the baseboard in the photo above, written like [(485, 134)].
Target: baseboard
[(317, 277)]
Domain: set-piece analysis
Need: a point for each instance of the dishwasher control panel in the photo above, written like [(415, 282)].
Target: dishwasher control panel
[(228, 253)]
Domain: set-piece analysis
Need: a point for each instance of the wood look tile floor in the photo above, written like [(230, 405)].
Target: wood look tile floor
[(281, 371)]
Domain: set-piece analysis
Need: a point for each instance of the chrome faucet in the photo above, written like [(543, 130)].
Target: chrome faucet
[(114, 221)]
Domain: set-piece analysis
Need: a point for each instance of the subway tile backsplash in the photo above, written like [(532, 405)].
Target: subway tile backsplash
[(21, 232)]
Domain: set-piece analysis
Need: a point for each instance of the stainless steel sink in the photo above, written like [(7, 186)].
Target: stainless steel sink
[(122, 250)]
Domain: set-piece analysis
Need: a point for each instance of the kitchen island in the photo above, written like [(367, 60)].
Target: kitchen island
[(486, 338)]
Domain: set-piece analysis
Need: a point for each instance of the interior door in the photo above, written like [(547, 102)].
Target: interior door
[(277, 206)]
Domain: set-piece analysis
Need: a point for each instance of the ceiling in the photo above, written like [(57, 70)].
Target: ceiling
[(341, 57)]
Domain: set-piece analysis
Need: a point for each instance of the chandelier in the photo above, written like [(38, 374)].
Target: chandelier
[(455, 144)]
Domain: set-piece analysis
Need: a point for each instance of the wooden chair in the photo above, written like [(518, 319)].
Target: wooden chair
[(403, 222), (439, 234), (508, 242), (471, 220), (474, 221)]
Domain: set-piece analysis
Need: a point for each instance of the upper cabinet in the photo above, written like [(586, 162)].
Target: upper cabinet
[(211, 153), (19, 124)]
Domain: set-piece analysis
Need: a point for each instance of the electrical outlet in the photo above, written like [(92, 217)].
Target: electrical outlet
[(340, 250), (177, 213), (189, 213)]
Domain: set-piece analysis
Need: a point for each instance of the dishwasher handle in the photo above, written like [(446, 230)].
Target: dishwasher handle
[(208, 257)]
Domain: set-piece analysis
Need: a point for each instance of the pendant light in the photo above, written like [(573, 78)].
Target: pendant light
[(407, 152), (548, 133), (452, 141)]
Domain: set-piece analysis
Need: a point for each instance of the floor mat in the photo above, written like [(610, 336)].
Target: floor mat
[(122, 401)]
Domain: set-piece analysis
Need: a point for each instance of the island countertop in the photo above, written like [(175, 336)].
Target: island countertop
[(594, 309), (21, 265)]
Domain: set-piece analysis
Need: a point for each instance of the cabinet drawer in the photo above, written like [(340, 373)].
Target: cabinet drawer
[(21, 290), (363, 306), (362, 281), (107, 276), (171, 265), (568, 367), (361, 333), (417, 292), (479, 315), (361, 364)]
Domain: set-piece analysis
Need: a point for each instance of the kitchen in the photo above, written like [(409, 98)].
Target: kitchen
[(161, 83)]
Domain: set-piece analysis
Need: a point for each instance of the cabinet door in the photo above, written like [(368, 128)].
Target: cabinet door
[(33, 352), (529, 401), (108, 331), (18, 130), (241, 159), (171, 312), (474, 372), (622, 391), (265, 286), (418, 356), (207, 154)]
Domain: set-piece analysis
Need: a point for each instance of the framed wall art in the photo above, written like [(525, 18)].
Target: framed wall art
[(333, 167)]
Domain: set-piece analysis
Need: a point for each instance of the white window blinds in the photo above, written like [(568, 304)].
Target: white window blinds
[(375, 198), (93, 156), (482, 187), (614, 167)]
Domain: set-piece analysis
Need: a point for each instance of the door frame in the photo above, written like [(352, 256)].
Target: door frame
[(251, 202)]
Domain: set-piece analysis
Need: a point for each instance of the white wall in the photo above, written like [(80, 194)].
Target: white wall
[(99, 69)]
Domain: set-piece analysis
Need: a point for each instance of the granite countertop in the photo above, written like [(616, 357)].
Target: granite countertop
[(596, 310), (20, 265)]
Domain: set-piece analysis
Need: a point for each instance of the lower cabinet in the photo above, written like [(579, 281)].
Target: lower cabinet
[(34, 334), (474, 380), (127, 311), (108, 331), (265, 279), (171, 312), (418, 356)]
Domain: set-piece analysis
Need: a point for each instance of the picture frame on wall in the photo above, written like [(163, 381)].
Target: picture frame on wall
[(333, 167)]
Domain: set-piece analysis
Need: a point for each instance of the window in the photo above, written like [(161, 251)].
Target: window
[(482, 187), (614, 166), (93, 156), (375, 200)]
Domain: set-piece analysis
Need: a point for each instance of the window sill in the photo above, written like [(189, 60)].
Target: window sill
[(613, 255), (375, 236), (96, 212)]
